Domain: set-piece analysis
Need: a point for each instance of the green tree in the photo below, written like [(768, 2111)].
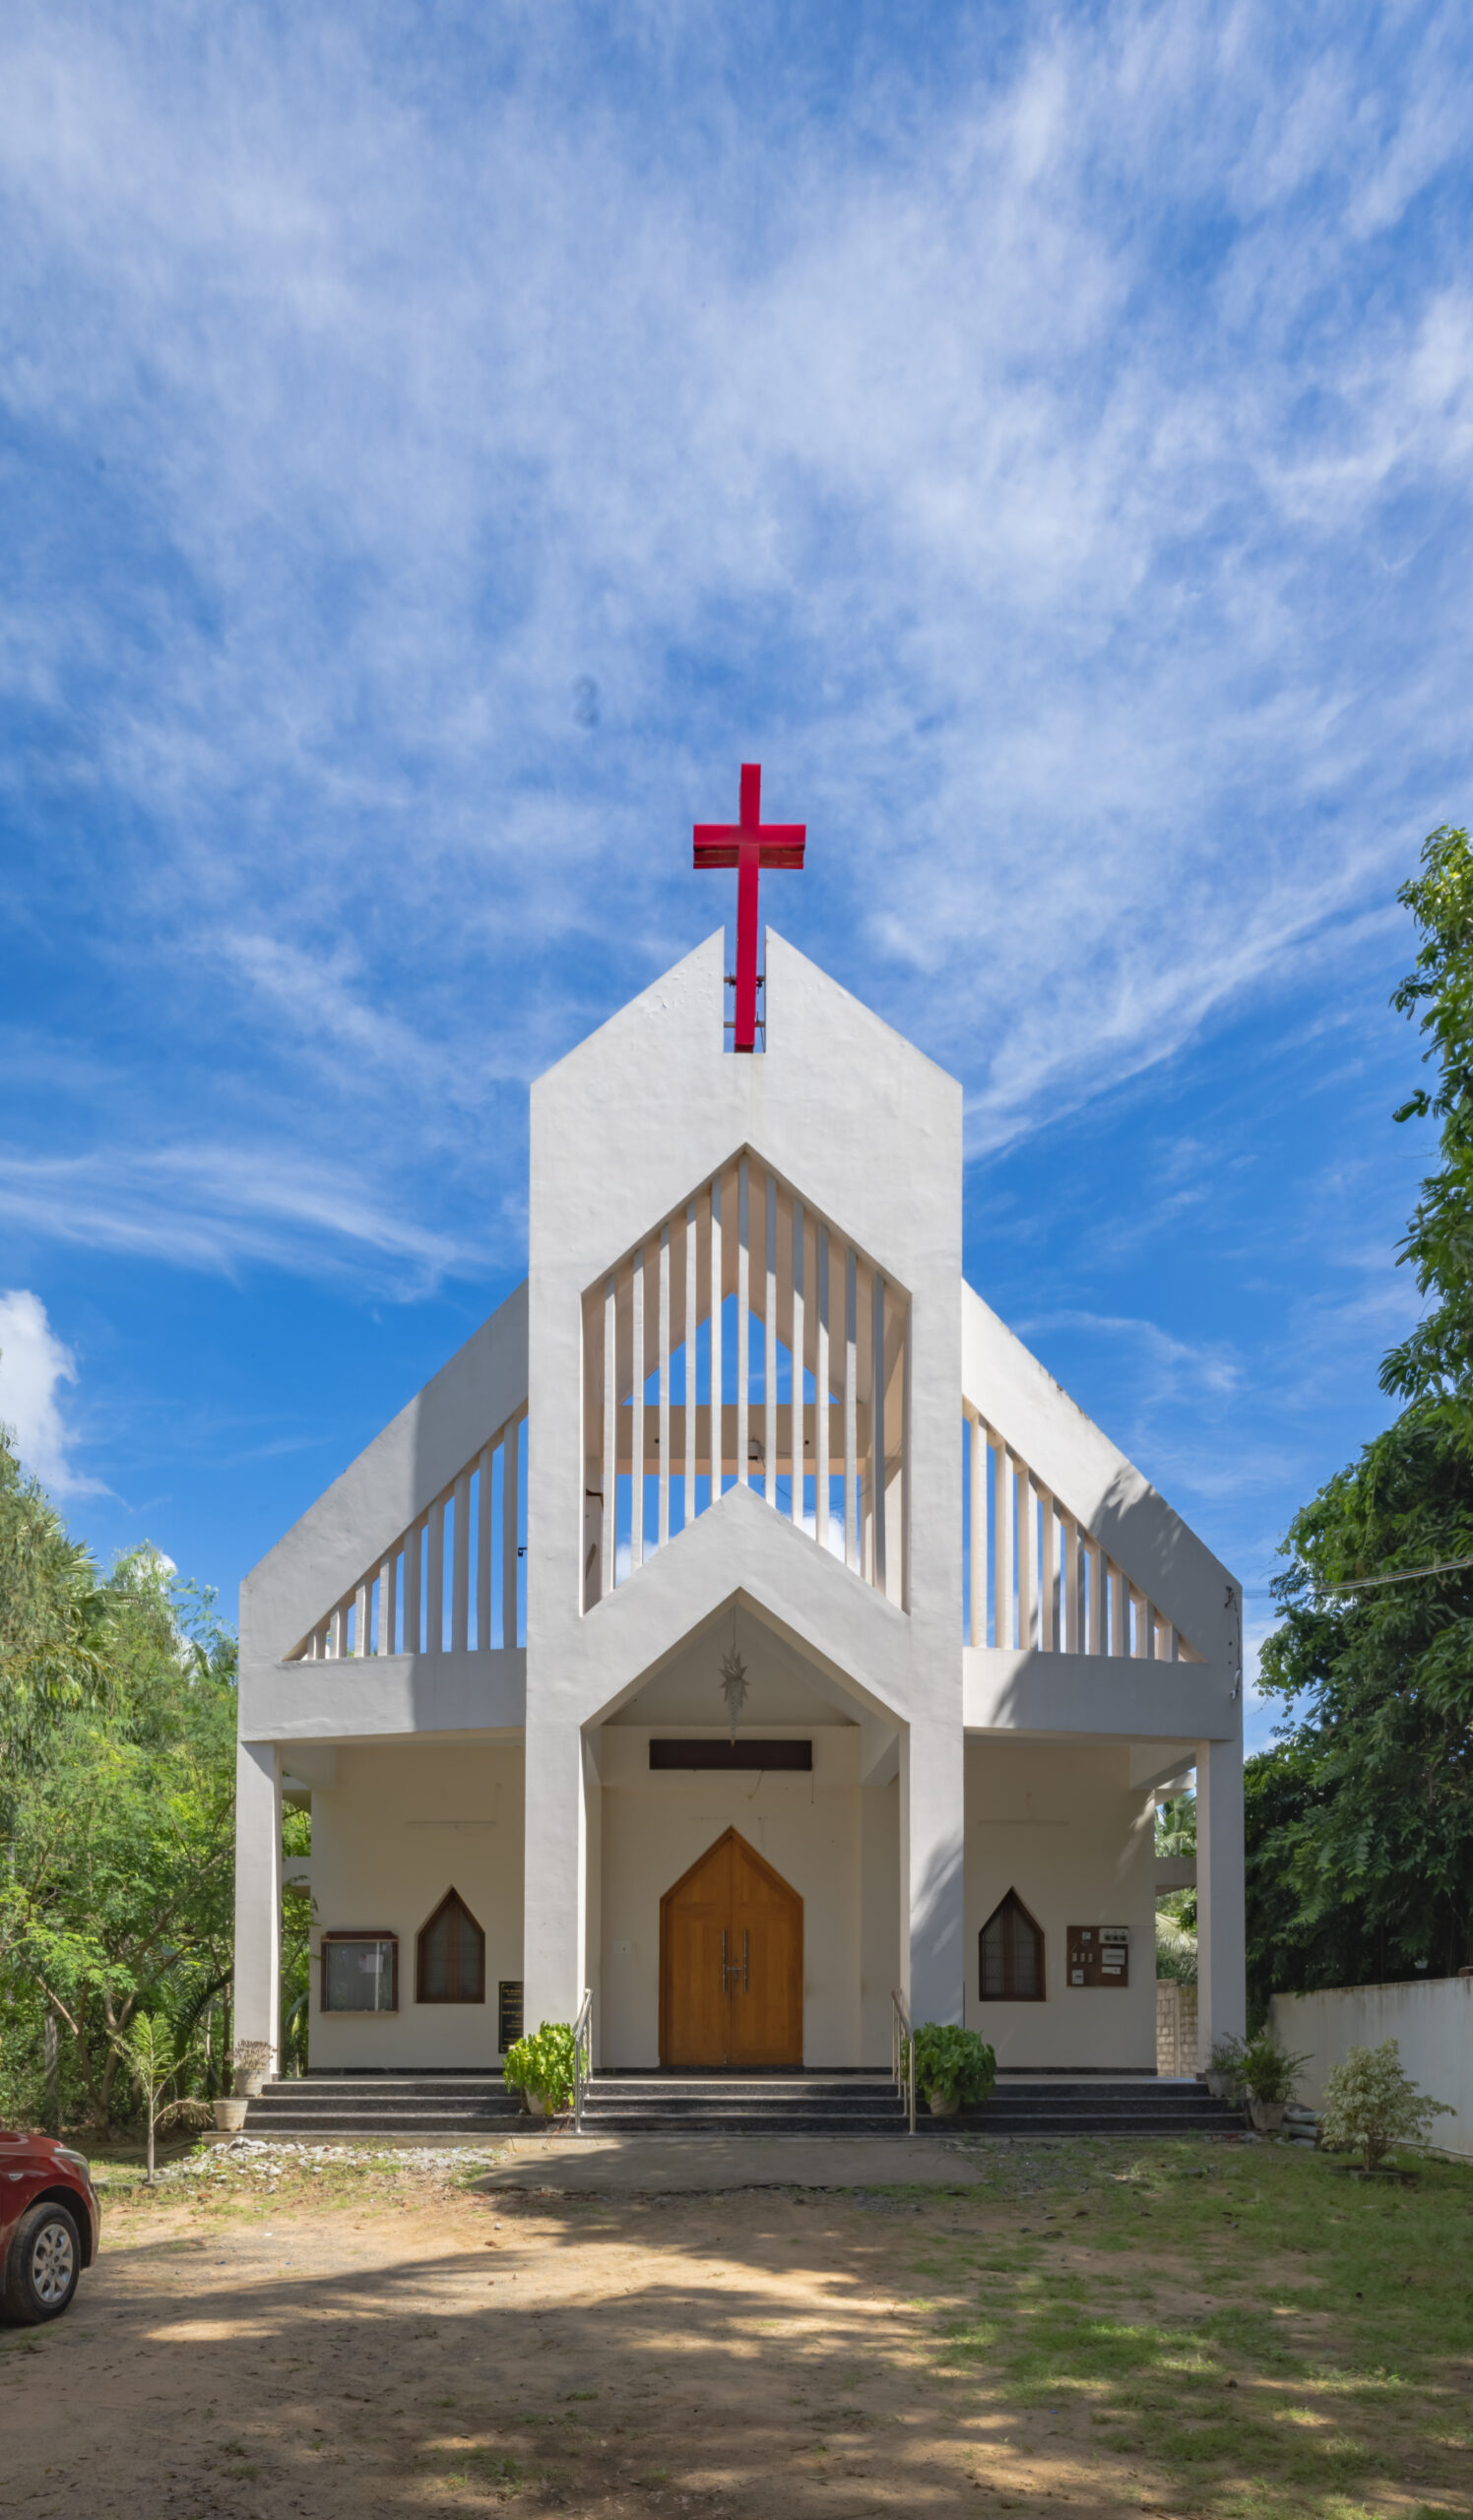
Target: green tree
[(1361, 1821), (116, 1890)]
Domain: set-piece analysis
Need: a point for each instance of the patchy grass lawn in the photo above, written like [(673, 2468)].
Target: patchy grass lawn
[(1241, 2332)]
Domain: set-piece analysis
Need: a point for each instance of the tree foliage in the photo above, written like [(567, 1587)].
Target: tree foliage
[(1360, 1821), (117, 1733)]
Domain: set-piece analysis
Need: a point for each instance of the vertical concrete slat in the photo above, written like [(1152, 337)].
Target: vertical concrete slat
[(609, 1542), (460, 1567), (1118, 1613), (1046, 1605), (850, 1408), (1025, 1556), (511, 1481), (483, 1549), (690, 1329), (797, 1411), (434, 1581), (718, 1419), (1002, 1551), (1071, 1584), (743, 1323), (662, 1521), (412, 1548), (975, 1628), (637, 1412), (387, 1603), (877, 1424), (821, 1387), (770, 1349), (362, 1604)]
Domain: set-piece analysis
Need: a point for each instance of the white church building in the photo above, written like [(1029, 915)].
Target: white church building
[(744, 1629)]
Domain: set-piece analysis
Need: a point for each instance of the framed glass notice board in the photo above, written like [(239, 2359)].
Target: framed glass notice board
[(1098, 1955)]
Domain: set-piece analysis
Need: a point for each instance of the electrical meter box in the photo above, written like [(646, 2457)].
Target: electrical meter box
[(1098, 1955)]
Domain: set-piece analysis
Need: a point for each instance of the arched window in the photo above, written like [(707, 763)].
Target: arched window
[(1010, 1956), (450, 1956)]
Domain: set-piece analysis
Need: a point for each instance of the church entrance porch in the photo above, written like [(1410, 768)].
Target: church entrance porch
[(730, 1962)]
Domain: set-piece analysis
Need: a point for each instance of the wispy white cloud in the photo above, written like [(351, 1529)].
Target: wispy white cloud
[(34, 1364), (1057, 472)]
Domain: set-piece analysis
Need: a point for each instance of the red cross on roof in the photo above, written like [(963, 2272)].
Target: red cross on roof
[(749, 844)]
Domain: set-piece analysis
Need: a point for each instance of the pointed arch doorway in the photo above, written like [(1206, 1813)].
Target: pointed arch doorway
[(730, 1962)]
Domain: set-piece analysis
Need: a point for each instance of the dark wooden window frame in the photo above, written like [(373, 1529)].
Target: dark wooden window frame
[(450, 1900), (728, 1756), (340, 1934), (1008, 1993)]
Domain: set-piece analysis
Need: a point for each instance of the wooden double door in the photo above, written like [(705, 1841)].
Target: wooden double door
[(730, 1962)]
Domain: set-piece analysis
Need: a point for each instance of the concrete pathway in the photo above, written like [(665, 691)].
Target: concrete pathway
[(696, 2164)]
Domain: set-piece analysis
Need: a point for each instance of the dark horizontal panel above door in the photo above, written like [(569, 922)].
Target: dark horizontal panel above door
[(732, 1754)]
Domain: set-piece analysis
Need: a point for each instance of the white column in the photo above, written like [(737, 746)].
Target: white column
[(483, 1550), (977, 1435), (718, 1421), (258, 1891), (387, 1605), (510, 1483), (931, 1833), (1071, 1554), (744, 1315), (1117, 1617), (850, 1409), (796, 1410), (820, 1387), (637, 1412), (1222, 1978), (770, 1351), (608, 1544), (1096, 1556), (361, 1613), (690, 1329), (554, 1897), (1024, 1511), (664, 1389)]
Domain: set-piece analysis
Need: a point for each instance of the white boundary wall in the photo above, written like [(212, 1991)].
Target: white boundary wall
[(1431, 2020)]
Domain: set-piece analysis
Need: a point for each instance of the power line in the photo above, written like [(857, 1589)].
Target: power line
[(1362, 1583)]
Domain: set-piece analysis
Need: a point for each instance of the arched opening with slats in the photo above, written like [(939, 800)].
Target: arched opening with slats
[(1010, 1955), (450, 1956), (745, 1341)]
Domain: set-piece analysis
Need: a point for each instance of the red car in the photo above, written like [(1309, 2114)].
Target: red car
[(48, 2226)]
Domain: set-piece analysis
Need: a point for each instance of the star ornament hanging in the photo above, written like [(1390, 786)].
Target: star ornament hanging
[(734, 1684)]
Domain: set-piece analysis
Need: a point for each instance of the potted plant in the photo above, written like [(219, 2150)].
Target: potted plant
[(954, 2067), (540, 2067), (251, 2059), (1225, 2068), (1371, 2103), (1269, 2074)]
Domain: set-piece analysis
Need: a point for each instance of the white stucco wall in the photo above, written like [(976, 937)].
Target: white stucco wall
[(808, 1827), (1431, 2020), (1065, 1828), (404, 1824)]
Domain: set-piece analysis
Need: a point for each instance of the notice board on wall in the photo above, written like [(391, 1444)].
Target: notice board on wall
[(1098, 1955)]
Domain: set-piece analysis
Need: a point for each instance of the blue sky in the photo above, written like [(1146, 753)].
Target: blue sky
[(438, 444)]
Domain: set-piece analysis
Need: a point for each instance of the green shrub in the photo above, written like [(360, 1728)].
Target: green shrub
[(1268, 2071), (1371, 2103), (543, 2064), (954, 2063)]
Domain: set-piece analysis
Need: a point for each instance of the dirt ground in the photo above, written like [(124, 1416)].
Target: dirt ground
[(428, 2348)]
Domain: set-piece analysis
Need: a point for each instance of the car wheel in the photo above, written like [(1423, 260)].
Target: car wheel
[(46, 2260)]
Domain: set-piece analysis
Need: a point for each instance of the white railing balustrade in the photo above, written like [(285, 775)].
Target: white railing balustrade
[(451, 1583), (1036, 1576)]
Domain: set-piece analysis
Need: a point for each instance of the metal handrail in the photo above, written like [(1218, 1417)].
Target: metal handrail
[(903, 2052), (583, 2056)]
